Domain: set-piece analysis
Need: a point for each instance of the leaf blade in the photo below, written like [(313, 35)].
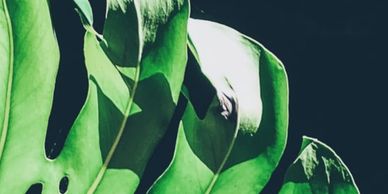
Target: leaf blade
[(30, 86), (211, 139), (124, 15), (104, 113), (318, 169)]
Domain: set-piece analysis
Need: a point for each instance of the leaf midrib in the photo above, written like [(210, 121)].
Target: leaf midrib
[(112, 150), (230, 148), (116, 141), (4, 130), (226, 157)]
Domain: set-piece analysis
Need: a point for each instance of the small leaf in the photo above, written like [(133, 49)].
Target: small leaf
[(85, 11), (318, 170), (227, 151)]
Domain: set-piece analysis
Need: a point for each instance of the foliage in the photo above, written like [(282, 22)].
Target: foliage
[(231, 135)]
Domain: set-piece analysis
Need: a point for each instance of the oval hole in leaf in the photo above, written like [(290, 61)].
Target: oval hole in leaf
[(63, 184), (35, 189), (71, 84)]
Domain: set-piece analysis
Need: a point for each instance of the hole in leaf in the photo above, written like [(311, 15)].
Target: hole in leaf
[(35, 189), (63, 184), (99, 8), (71, 83), (163, 153)]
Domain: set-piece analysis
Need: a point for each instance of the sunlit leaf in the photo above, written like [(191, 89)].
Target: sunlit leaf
[(239, 142)]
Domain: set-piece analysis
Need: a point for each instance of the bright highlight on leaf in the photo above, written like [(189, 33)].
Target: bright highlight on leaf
[(231, 62), (215, 154)]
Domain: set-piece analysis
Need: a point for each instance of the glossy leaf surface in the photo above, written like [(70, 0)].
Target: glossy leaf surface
[(126, 111), (318, 170), (233, 149), (232, 133)]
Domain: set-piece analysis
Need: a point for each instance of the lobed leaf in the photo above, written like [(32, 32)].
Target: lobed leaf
[(29, 57), (232, 133), (127, 109)]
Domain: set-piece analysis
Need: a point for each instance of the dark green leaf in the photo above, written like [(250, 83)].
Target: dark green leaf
[(238, 144), (147, 43), (318, 170)]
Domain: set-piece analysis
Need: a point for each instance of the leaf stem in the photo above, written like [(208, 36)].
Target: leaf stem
[(229, 151), (112, 150)]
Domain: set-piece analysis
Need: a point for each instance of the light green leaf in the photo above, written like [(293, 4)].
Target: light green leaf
[(28, 66), (318, 170), (6, 70), (126, 112), (85, 11), (239, 142)]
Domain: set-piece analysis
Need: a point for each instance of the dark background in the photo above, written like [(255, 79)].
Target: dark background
[(335, 55)]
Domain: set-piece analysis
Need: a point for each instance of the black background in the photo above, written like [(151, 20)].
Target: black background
[(335, 55)]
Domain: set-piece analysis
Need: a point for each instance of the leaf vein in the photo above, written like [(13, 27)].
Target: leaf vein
[(3, 135), (112, 150)]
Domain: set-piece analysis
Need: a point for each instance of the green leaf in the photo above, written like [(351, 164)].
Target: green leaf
[(6, 70), (318, 170), (239, 142), (127, 110), (28, 66), (147, 43), (85, 11)]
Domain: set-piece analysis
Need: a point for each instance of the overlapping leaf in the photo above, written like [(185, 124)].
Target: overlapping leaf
[(147, 43), (318, 170), (103, 151), (239, 142), (232, 133)]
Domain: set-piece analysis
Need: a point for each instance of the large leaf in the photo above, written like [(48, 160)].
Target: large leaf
[(239, 142), (126, 111), (318, 170), (29, 58), (147, 43)]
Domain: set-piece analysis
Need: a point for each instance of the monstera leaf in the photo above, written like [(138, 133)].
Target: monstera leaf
[(240, 140), (233, 127), (121, 121), (318, 170)]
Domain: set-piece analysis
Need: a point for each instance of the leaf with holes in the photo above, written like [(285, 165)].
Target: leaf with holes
[(318, 170), (239, 142), (232, 124), (131, 97)]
